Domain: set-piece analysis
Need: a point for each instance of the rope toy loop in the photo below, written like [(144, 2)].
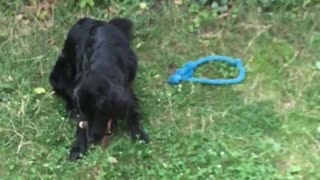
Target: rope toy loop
[(185, 73)]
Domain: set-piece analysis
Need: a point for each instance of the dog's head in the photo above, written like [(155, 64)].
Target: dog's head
[(98, 99)]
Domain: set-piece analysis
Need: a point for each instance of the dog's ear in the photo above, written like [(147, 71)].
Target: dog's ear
[(119, 99)]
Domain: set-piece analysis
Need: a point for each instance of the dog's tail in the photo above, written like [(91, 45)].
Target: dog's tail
[(124, 25)]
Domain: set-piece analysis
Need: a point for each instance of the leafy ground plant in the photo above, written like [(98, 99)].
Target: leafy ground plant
[(265, 128)]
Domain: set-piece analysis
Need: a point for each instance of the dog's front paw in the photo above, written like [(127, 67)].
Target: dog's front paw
[(145, 137), (76, 153), (141, 135)]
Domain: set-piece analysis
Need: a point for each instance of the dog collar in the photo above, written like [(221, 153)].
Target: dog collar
[(84, 124)]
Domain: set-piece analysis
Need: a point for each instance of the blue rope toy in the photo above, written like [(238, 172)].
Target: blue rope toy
[(185, 73)]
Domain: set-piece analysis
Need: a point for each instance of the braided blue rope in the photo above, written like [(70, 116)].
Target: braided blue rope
[(185, 73)]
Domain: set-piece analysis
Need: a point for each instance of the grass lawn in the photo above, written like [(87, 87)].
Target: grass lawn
[(267, 127)]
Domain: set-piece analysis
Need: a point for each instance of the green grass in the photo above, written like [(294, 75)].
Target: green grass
[(268, 127)]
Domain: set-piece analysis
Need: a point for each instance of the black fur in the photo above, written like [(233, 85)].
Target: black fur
[(95, 75)]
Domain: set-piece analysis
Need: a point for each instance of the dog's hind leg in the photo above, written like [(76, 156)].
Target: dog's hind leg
[(62, 81)]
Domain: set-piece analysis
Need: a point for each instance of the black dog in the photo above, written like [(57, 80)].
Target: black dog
[(95, 75)]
